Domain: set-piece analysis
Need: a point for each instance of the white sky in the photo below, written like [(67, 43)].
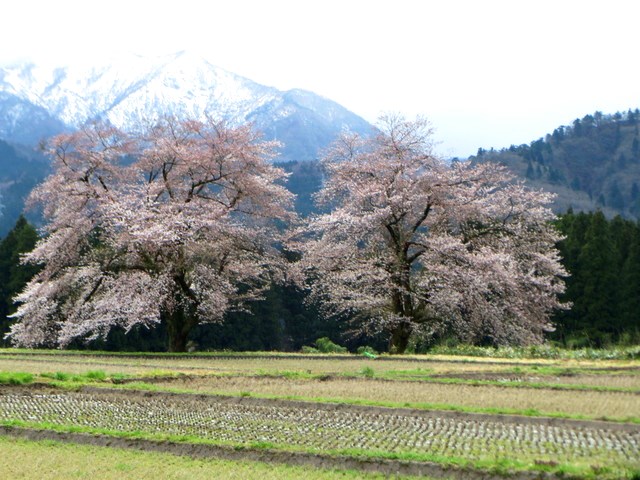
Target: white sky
[(486, 72)]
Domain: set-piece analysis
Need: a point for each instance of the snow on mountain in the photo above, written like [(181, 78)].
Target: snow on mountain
[(130, 90)]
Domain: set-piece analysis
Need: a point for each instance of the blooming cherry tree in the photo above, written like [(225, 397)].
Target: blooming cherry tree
[(177, 223), (413, 243)]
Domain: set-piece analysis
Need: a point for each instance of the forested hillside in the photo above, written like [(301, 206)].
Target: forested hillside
[(21, 169), (592, 164)]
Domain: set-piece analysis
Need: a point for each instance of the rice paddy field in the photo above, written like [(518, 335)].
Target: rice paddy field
[(242, 415)]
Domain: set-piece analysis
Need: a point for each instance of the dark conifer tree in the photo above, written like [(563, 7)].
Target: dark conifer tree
[(13, 275), (630, 290)]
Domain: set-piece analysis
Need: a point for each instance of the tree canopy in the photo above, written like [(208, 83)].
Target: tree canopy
[(415, 245), (176, 223)]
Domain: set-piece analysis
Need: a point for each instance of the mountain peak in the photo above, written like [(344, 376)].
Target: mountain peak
[(131, 89)]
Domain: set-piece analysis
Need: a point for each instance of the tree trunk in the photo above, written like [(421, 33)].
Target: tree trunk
[(402, 304), (178, 341), (400, 338), (183, 318), (179, 327)]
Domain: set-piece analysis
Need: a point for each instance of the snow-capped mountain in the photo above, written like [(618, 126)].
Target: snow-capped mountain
[(37, 101)]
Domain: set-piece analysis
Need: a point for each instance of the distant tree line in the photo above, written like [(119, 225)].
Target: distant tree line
[(13, 275)]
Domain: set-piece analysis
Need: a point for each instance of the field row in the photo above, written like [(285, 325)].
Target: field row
[(591, 404), (56, 461), (595, 390), (327, 429), (329, 364)]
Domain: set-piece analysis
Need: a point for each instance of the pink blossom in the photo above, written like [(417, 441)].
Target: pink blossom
[(414, 245), (176, 223)]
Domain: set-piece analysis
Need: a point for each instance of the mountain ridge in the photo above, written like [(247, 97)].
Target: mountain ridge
[(38, 101), (134, 89)]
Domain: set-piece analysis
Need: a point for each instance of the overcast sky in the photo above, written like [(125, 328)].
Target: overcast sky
[(486, 72)]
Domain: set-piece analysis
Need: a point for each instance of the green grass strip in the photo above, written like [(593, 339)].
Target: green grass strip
[(62, 460), (541, 351), (15, 378)]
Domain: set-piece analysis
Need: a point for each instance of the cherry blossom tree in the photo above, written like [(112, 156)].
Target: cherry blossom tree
[(177, 224), (413, 244)]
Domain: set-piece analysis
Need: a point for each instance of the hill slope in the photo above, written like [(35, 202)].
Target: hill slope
[(21, 169), (592, 164)]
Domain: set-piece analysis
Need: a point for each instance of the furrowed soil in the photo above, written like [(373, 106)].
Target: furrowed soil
[(298, 429), (617, 380)]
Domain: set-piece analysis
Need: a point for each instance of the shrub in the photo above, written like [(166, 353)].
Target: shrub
[(366, 349), (368, 372), (325, 345), (98, 375)]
